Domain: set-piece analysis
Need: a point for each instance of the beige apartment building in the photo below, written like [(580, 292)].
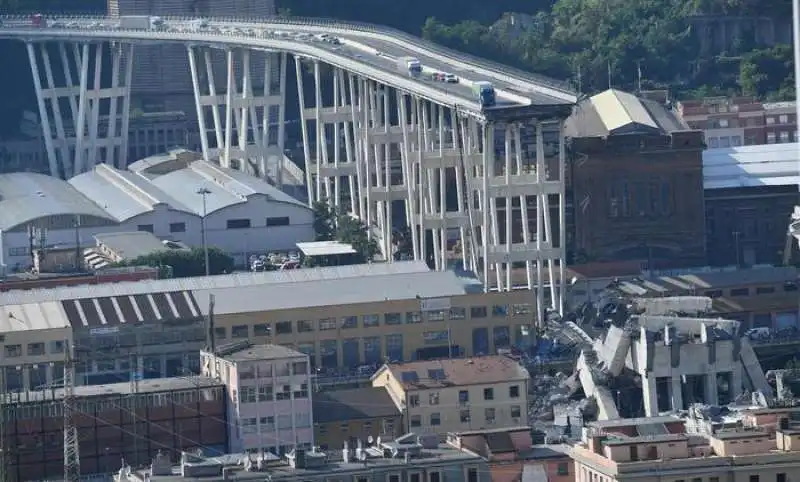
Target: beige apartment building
[(660, 449), (33, 338), (457, 395)]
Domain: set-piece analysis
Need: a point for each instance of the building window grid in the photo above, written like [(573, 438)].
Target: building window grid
[(393, 318), (262, 329), (371, 320)]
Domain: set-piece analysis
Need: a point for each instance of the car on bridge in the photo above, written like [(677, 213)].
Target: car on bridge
[(445, 77)]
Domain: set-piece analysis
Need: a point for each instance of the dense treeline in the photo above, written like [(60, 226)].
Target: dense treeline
[(591, 42)]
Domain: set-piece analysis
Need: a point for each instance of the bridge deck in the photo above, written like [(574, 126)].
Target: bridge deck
[(364, 53)]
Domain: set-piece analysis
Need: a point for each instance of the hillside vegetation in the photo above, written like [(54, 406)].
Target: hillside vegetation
[(589, 41)]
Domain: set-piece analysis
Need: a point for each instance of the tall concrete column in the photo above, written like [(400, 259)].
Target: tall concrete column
[(650, 395), (736, 381), (676, 390), (712, 394)]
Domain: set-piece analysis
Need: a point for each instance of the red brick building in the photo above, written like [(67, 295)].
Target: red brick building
[(44, 280), (635, 184), (740, 121), (114, 422)]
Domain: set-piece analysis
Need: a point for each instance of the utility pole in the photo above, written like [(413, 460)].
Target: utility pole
[(78, 263), (135, 374), (203, 191), (211, 343), (4, 402), (72, 461)]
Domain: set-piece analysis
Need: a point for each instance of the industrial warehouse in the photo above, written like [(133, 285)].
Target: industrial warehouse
[(166, 195)]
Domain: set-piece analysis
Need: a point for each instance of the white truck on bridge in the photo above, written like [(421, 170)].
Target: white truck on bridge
[(412, 65), (136, 22)]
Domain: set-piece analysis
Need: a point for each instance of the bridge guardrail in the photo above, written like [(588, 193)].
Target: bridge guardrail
[(390, 34), (301, 48)]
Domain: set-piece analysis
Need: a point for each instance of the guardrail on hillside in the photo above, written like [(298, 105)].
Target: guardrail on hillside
[(360, 27)]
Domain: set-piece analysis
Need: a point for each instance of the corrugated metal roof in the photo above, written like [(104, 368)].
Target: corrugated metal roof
[(710, 280), (110, 197), (33, 316), (227, 187), (322, 248), (132, 244), (327, 292), (122, 194), (619, 109), (26, 196), (254, 184), (762, 165), (212, 282), (141, 308), (184, 184)]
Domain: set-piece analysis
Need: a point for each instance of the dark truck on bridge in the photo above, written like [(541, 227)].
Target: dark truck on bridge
[(484, 93)]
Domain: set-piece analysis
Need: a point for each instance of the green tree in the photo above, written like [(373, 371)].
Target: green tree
[(183, 263), (404, 244), (331, 224), (768, 71), (355, 233), (324, 221)]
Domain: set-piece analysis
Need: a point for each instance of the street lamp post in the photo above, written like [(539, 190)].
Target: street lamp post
[(203, 192), (796, 44)]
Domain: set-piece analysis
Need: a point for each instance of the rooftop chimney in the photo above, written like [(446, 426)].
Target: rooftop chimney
[(359, 449), (346, 452)]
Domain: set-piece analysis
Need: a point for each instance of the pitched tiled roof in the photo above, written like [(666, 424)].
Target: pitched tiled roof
[(461, 371)]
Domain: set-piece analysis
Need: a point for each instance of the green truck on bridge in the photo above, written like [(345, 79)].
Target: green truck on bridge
[(484, 93)]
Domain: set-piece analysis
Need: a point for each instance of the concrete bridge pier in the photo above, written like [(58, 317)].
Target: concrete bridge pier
[(238, 123), (83, 123)]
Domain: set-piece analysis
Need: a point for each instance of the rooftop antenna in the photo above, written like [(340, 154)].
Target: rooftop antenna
[(579, 79), (639, 76), (211, 344), (610, 83)]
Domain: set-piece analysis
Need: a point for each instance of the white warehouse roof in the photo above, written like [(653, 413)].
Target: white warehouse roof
[(749, 166), (117, 196), (26, 196), (180, 175), (122, 194), (32, 316)]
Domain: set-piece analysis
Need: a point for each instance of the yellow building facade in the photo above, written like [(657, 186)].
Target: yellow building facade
[(349, 335), (457, 395)]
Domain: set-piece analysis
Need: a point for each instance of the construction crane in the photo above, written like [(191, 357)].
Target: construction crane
[(72, 462), (792, 234)]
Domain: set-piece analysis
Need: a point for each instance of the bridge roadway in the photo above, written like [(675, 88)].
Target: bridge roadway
[(369, 53)]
